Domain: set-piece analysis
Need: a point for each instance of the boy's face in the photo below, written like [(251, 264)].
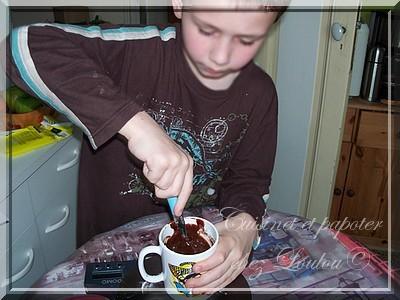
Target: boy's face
[(218, 44)]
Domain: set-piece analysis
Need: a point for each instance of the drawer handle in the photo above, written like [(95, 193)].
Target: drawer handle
[(60, 223), (71, 163), (25, 269)]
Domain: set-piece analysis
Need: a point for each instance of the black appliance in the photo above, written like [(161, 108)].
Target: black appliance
[(379, 39)]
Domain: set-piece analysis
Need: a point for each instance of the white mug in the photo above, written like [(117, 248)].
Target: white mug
[(176, 267)]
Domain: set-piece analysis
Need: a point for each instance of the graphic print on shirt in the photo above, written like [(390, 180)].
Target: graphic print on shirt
[(209, 143)]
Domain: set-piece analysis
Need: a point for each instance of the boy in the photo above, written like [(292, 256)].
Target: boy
[(199, 118)]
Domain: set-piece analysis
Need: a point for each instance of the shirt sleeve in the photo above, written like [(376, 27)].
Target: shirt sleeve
[(74, 70), (249, 175)]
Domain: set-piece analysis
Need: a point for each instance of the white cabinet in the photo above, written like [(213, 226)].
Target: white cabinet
[(21, 211), (54, 203), (42, 202), (26, 256), (3, 237)]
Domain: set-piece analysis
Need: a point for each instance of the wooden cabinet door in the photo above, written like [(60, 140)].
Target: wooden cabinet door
[(340, 180), (361, 191), (365, 194), (349, 123), (393, 216), (374, 131), (344, 159)]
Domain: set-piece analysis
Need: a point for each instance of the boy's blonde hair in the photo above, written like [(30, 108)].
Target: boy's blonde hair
[(279, 6)]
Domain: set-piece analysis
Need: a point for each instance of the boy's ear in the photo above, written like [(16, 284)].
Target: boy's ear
[(177, 5)]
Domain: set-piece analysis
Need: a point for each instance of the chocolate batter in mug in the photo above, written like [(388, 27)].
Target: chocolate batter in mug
[(197, 239), (177, 267)]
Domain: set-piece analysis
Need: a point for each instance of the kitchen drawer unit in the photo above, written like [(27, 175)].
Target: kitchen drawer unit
[(56, 181), (3, 249), (21, 211), (19, 169), (57, 226), (42, 197), (4, 219), (27, 264)]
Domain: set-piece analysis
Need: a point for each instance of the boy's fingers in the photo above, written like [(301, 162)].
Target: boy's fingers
[(151, 173), (167, 181), (145, 169), (160, 193), (174, 187), (214, 275), (218, 258), (185, 191), (182, 185)]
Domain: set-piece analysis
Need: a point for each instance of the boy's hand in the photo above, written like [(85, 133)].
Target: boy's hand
[(166, 165), (230, 258)]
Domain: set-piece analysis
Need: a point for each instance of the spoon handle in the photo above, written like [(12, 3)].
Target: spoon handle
[(179, 220)]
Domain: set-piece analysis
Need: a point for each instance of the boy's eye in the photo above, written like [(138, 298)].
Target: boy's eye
[(246, 43), (205, 32)]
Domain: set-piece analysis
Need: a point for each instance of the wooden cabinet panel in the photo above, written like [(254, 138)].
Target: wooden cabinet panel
[(394, 212), (349, 125), (366, 176), (340, 180), (366, 184), (373, 130), (395, 203)]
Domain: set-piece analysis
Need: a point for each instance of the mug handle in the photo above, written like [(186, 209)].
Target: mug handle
[(142, 270)]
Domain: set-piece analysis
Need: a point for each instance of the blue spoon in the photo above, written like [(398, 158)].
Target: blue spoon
[(180, 221)]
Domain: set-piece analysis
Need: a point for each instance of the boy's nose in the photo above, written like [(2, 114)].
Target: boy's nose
[(221, 52)]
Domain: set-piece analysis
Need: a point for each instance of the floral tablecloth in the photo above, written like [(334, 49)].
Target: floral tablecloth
[(296, 256)]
